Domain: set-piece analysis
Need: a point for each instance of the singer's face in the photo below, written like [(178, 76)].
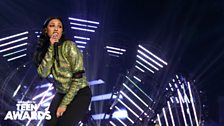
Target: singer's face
[(55, 27)]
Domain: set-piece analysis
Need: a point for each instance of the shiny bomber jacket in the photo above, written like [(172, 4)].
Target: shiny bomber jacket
[(70, 62)]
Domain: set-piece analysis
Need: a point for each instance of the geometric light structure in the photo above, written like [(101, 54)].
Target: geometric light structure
[(147, 61), (115, 51), (14, 46), (183, 105), (80, 26)]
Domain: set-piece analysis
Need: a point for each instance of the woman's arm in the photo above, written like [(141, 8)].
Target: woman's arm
[(44, 69), (76, 61)]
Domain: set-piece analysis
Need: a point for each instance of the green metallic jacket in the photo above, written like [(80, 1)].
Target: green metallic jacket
[(70, 62)]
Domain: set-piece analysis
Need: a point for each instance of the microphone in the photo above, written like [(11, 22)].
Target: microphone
[(56, 51), (56, 56)]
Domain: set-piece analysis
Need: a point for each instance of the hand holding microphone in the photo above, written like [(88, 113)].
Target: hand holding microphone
[(54, 38), (54, 41)]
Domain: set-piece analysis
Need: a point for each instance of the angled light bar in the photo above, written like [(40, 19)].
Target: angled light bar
[(14, 41), (147, 62), (186, 99), (82, 47), (139, 68), (82, 20), (139, 51), (83, 25), (139, 88), (129, 99), (121, 113), (145, 66), (44, 85), (17, 57), (153, 55), (158, 117), (175, 85), (49, 98), (115, 48), (135, 95), (182, 108), (96, 82), (46, 93), (171, 99), (82, 29), (80, 42), (17, 89), (171, 114), (112, 123), (177, 100), (12, 36), (192, 103), (3, 50), (45, 104), (127, 115), (113, 55), (115, 52), (121, 121), (83, 38), (46, 109), (137, 78), (170, 85), (103, 97), (38, 105), (9, 54), (128, 108), (100, 116), (165, 117)]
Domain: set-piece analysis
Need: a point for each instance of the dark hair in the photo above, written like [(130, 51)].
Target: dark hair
[(43, 42)]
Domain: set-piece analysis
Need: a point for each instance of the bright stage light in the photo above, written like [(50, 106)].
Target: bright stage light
[(96, 82), (115, 52), (115, 48), (139, 68), (82, 47), (104, 97), (121, 114), (12, 36), (171, 114), (13, 47), (83, 38), (165, 117), (129, 99), (126, 115), (143, 54), (82, 20), (145, 66), (14, 41), (153, 55), (126, 106), (83, 25), (135, 94), (80, 42), (17, 57), (147, 62), (137, 78), (82, 29), (9, 54)]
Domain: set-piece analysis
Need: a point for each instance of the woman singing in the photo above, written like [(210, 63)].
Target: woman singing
[(61, 58)]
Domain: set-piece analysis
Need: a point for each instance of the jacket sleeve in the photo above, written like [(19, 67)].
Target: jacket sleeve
[(44, 69), (75, 59)]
